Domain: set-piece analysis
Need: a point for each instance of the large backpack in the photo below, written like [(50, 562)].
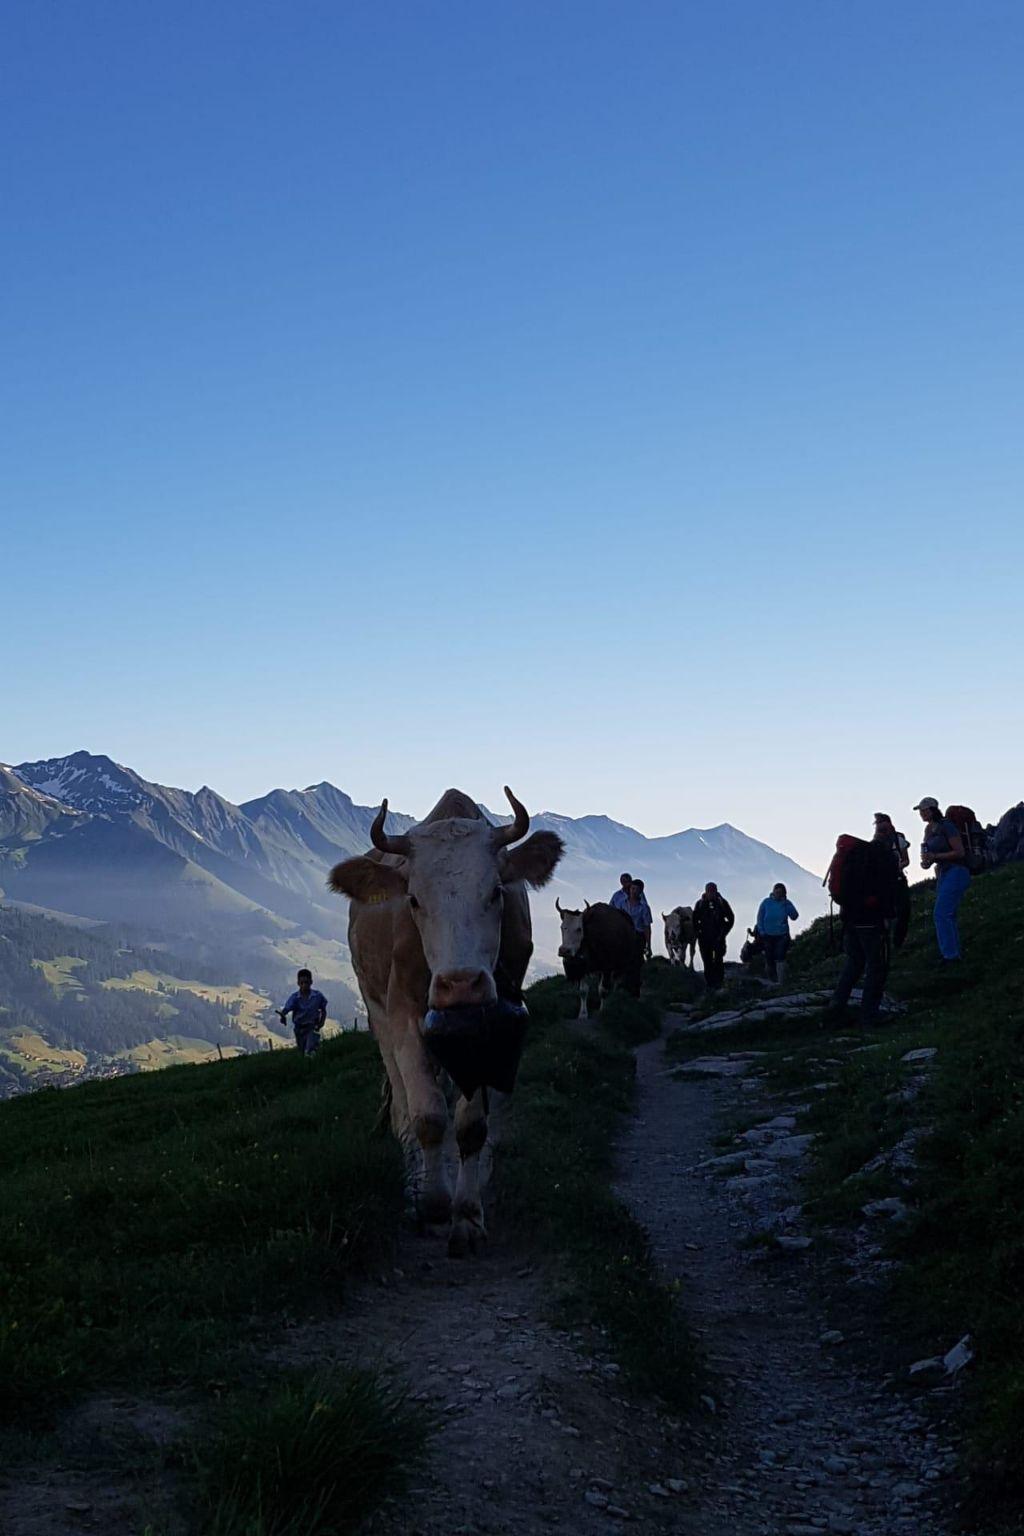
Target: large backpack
[(972, 835), (862, 880)]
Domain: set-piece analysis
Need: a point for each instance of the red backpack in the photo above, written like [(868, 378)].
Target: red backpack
[(862, 880), (834, 874)]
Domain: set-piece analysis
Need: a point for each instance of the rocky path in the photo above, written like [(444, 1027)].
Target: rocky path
[(812, 1438)]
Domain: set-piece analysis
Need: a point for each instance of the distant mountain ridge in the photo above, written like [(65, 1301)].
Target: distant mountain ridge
[(86, 835)]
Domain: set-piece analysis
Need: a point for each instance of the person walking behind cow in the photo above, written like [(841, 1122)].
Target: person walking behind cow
[(899, 847), (308, 1009), (621, 898), (865, 886), (772, 926), (712, 919), (943, 847), (639, 914)]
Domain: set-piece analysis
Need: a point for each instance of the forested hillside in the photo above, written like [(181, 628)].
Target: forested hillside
[(76, 1001)]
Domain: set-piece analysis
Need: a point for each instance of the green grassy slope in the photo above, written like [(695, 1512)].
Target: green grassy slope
[(138, 1216), (963, 1248)]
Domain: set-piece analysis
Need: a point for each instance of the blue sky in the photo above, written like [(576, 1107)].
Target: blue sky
[(624, 402)]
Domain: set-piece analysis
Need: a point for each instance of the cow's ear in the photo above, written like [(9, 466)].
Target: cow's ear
[(365, 880), (533, 861)]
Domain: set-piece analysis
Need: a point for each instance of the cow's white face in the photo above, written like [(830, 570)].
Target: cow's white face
[(456, 895), (673, 928), (572, 935), (453, 882)]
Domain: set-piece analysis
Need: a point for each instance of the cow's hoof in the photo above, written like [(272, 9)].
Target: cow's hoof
[(466, 1236)]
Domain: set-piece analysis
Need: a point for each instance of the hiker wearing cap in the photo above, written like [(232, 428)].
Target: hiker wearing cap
[(773, 917), (621, 897), (943, 848), (899, 847)]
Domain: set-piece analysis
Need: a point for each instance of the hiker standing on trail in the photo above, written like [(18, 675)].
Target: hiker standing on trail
[(308, 1009), (943, 847), (863, 878), (772, 927), (639, 914), (899, 847), (712, 919), (621, 898)]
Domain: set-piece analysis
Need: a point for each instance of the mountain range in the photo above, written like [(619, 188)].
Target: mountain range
[(81, 835)]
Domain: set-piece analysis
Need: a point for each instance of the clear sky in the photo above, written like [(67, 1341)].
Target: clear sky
[(620, 401)]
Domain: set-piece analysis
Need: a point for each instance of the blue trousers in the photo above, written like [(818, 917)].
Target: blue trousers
[(953, 882), (307, 1039), (775, 947)]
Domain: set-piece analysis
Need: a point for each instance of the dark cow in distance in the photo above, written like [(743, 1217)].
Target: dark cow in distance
[(439, 929), (680, 935), (599, 941)]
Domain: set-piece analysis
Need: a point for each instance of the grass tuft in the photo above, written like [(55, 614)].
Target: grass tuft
[(312, 1457)]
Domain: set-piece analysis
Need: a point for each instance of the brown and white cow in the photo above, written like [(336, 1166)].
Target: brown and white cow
[(680, 935), (439, 926)]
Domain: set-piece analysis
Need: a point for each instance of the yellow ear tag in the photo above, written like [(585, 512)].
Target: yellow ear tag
[(374, 901)]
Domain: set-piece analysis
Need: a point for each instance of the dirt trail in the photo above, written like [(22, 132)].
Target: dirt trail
[(533, 1428)]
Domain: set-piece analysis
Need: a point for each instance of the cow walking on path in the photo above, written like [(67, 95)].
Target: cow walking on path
[(599, 941), (680, 935), (440, 935)]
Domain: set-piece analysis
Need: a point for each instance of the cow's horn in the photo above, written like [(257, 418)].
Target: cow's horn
[(558, 906), (380, 839), (520, 826), (586, 904)]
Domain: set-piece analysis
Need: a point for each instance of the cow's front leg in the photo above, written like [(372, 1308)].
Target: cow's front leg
[(584, 995), (428, 1122), (468, 1216)]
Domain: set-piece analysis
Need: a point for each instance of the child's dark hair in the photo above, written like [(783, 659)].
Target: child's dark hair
[(302, 973)]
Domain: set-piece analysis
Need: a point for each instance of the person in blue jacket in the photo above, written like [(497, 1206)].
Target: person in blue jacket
[(773, 918), (308, 1009)]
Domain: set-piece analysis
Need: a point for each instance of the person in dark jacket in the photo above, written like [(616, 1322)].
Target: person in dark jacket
[(712, 920), (868, 909), (899, 847)]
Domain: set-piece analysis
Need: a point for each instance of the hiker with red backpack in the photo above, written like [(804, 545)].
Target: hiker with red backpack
[(952, 845), (862, 880)]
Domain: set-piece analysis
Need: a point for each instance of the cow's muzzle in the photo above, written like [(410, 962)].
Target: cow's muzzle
[(462, 989), (479, 1047)]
